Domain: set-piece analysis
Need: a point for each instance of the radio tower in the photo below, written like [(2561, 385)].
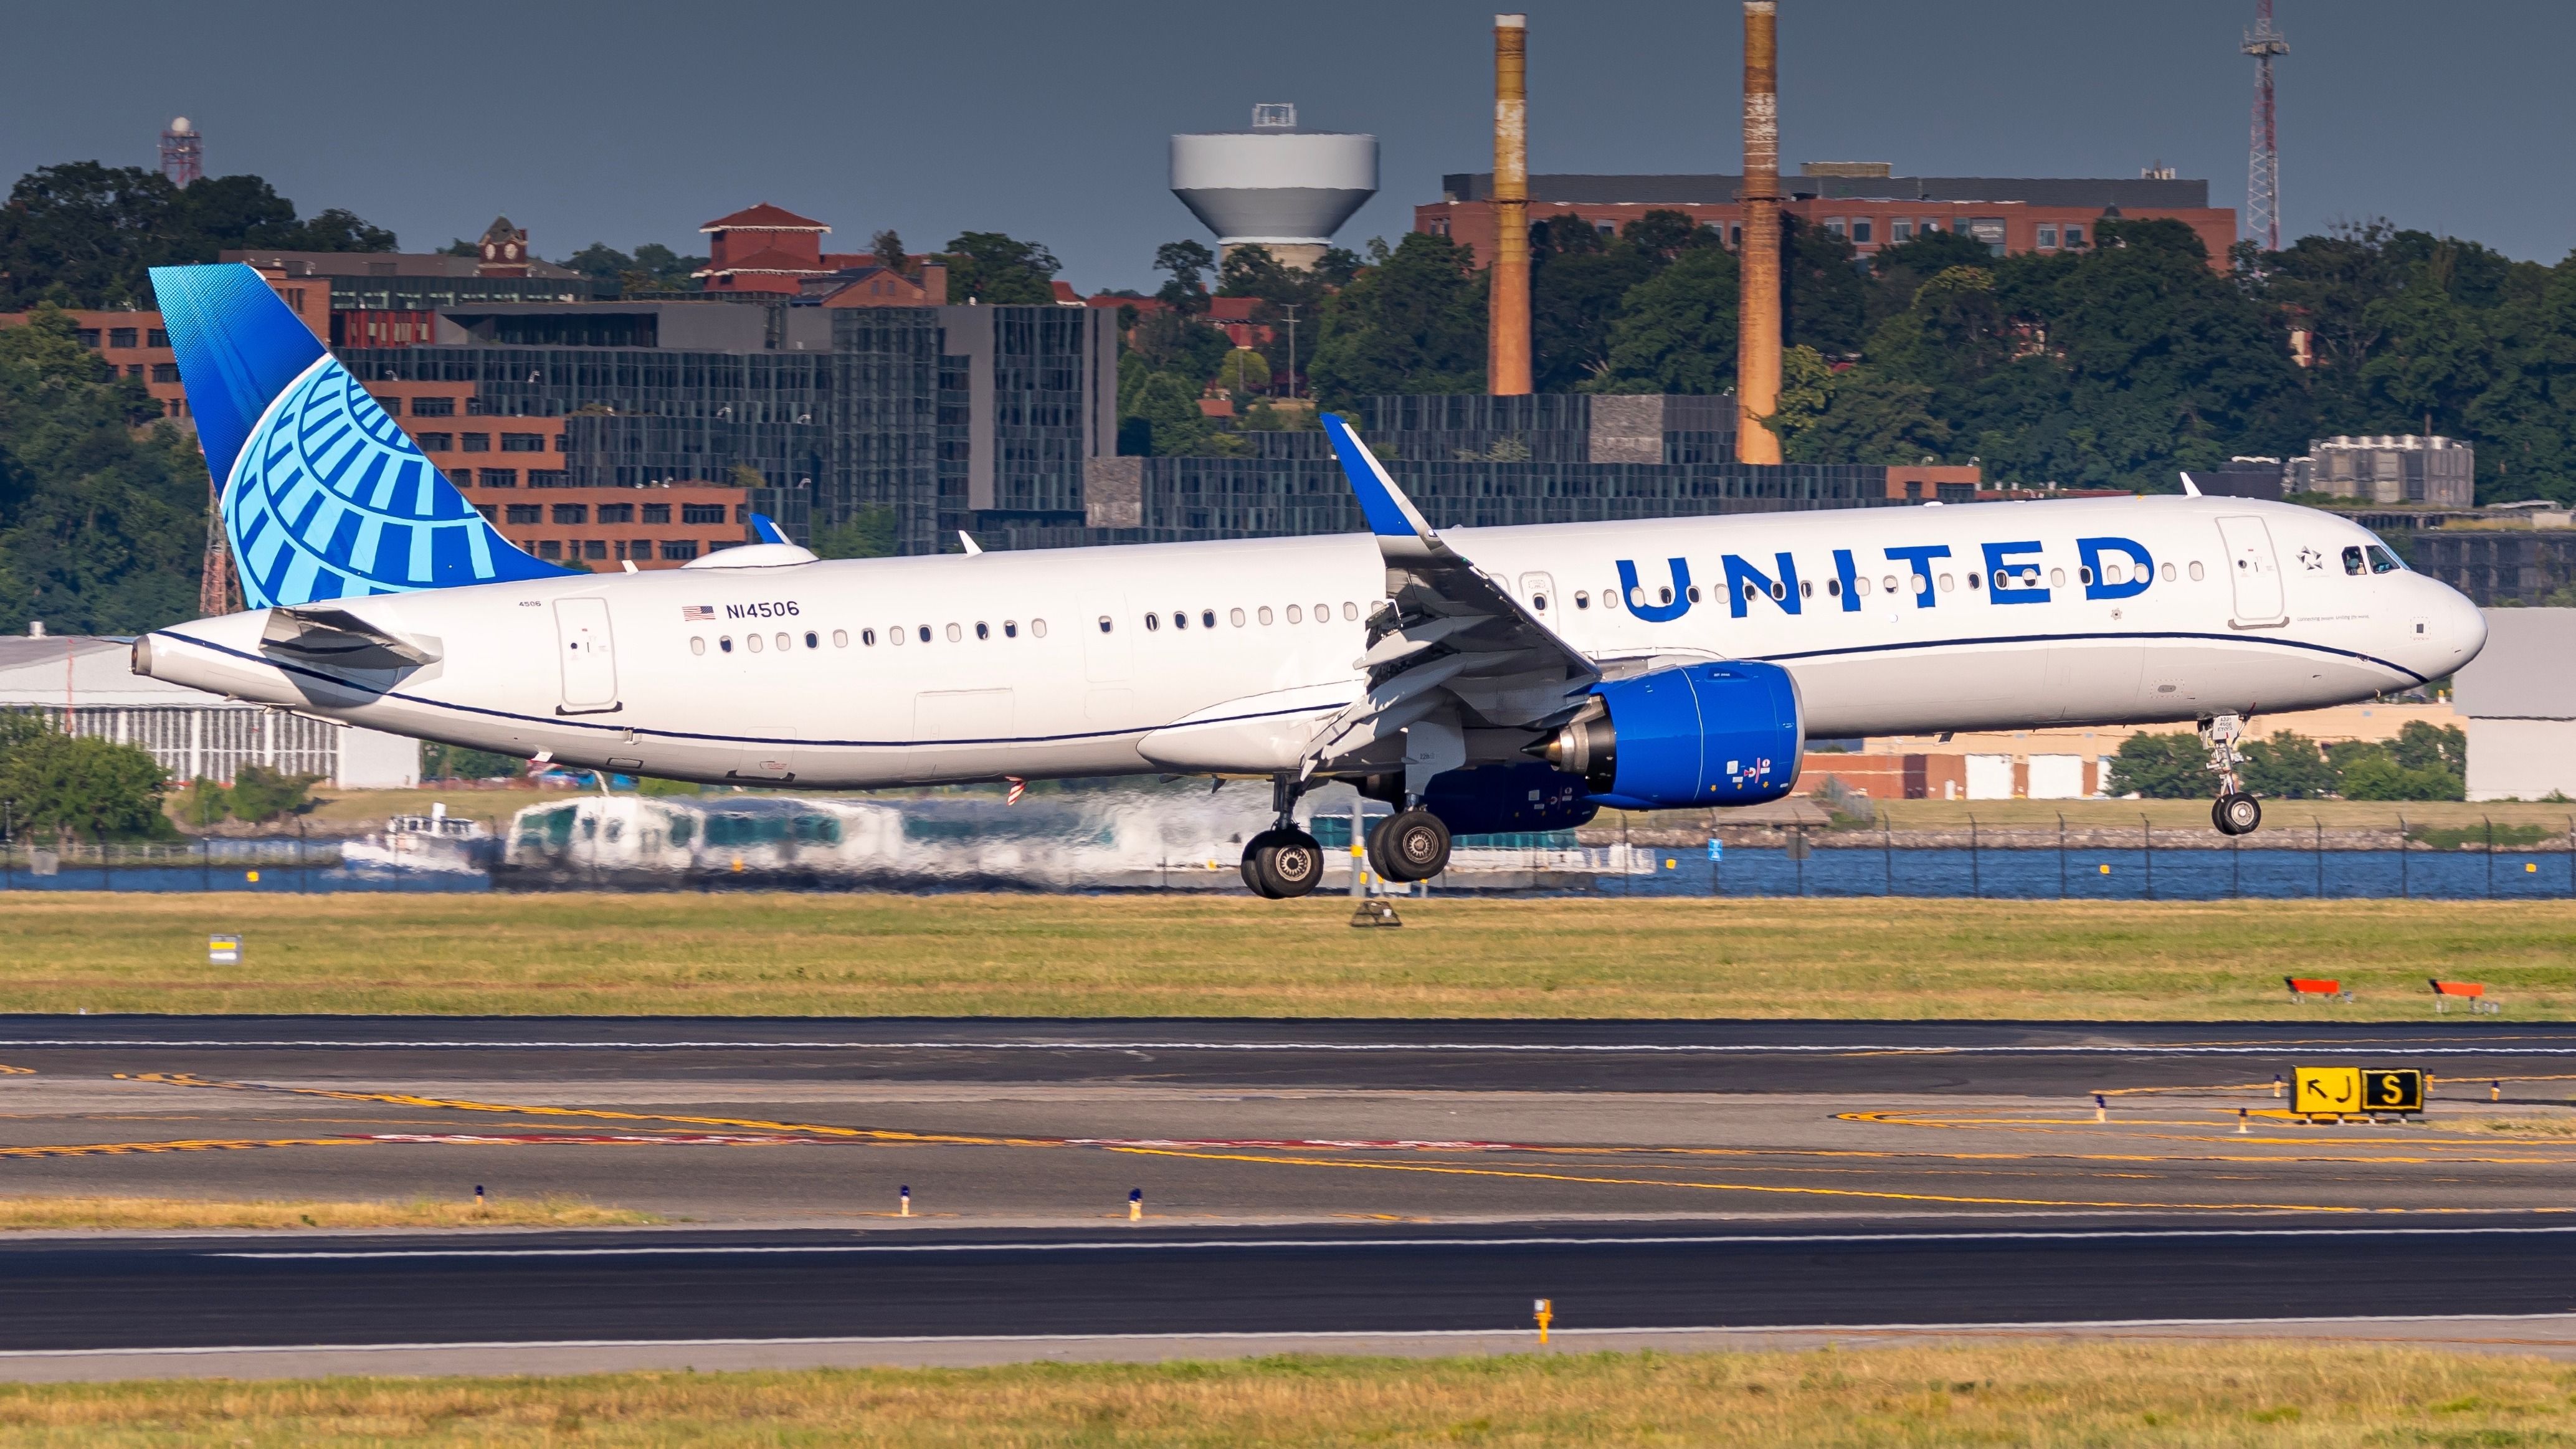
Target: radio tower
[(2263, 169), (183, 153), (215, 593)]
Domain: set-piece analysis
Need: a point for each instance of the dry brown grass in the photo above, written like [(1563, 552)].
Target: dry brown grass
[(24, 1213), (1229, 956), (2099, 1394)]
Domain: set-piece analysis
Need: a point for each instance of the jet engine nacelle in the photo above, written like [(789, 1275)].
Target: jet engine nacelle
[(1703, 734)]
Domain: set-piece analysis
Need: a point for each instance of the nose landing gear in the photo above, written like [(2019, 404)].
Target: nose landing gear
[(1283, 861), (2236, 811)]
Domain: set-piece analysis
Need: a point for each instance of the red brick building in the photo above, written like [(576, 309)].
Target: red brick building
[(1860, 202)]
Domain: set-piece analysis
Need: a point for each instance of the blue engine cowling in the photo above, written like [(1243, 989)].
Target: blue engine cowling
[(1703, 734), (1504, 799)]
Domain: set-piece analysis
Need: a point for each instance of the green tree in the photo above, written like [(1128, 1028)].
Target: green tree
[(85, 235), (1000, 271), (1823, 303), (1184, 290), (2160, 767), (456, 762), (2288, 767), (80, 788), (1676, 330), (102, 526), (260, 794), (1578, 281), (1413, 322), (868, 532), (2423, 746)]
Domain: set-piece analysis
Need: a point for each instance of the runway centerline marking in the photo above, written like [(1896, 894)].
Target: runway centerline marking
[(2490, 1048)]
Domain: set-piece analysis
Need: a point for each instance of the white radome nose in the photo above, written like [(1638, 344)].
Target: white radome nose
[(2458, 630)]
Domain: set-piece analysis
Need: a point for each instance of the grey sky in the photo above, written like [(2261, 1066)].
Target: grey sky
[(636, 122)]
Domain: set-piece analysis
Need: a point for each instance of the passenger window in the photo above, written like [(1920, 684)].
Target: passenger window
[(2384, 562), (840, 638), (1806, 589), (1888, 583), (1694, 593), (1833, 589), (2197, 572), (1010, 628), (2057, 578), (1975, 579), (1664, 595), (924, 632), (1038, 627), (894, 636), (1180, 619), (1265, 614), (1153, 622), (2084, 575), (955, 633), (1104, 623), (1945, 583), (1350, 611), (2114, 574), (982, 630), (1323, 613), (1779, 591), (698, 644), (1582, 600), (1296, 615), (1609, 599), (1207, 618), (868, 638), (751, 642), (785, 643), (1235, 618), (2352, 561), (2169, 572), (725, 643)]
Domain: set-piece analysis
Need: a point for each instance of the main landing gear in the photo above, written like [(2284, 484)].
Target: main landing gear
[(1409, 845), (2235, 811), (1283, 861)]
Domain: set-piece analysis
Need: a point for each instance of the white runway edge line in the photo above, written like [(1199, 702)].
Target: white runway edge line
[(1168, 1245), (1527, 1048), (1504, 1330)]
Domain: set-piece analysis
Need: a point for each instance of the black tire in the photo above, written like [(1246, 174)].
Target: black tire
[(2238, 814), (1412, 845), (1255, 878), (1291, 866)]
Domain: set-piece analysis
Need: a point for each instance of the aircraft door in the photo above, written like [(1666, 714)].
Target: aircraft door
[(1539, 592), (589, 656), (2254, 571)]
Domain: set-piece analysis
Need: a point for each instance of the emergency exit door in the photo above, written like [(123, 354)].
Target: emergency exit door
[(588, 656), (2253, 571)]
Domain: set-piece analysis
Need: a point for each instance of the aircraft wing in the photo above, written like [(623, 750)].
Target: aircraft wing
[(1451, 649)]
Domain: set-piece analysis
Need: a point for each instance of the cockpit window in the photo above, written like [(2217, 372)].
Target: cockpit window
[(2352, 561), (2382, 561)]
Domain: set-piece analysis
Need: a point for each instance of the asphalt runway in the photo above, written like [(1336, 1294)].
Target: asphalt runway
[(1299, 1177), (411, 1290)]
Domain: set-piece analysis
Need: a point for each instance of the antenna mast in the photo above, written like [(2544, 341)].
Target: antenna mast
[(2263, 168)]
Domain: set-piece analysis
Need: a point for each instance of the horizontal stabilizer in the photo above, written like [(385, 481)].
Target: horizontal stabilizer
[(323, 635)]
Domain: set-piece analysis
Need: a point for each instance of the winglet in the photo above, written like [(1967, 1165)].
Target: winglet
[(1390, 514), (968, 539), (2189, 488), (765, 529)]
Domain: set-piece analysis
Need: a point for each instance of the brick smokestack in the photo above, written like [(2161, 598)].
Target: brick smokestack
[(1757, 337), (1507, 317)]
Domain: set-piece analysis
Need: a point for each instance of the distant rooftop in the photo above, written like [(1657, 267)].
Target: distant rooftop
[(380, 264), (1717, 190)]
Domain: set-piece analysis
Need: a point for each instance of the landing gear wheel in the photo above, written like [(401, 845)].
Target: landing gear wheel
[(1282, 864), (2237, 814), (1412, 845)]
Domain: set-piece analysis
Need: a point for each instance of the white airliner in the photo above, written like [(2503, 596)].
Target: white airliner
[(1480, 680)]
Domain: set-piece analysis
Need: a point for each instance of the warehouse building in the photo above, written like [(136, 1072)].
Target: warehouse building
[(83, 685), (2520, 698)]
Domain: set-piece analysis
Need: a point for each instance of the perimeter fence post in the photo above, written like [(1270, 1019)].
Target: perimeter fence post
[(2061, 855), (2571, 855), (1799, 848), (2235, 868), (1887, 854), (106, 872), (302, 885), (1976, 878), (2490, 823), (2405, 885), (2147, 832), (2321, 855)]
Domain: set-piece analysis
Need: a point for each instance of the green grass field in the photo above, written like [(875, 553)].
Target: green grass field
[(1153, 955), (2293, 1396)]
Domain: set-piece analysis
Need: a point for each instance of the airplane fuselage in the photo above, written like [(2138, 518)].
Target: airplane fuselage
[(1077, 662)]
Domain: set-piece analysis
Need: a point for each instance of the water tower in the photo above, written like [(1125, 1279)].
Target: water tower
[(1286, 189)]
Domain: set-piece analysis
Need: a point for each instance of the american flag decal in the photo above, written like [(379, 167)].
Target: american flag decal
[(697, 613)]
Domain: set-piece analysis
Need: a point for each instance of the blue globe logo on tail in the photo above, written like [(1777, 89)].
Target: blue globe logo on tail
[(324, 495)]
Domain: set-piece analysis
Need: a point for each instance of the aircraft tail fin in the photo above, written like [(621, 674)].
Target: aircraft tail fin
[(324, 496)]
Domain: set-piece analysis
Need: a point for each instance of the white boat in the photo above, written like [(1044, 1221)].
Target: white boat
[(437, 841)]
